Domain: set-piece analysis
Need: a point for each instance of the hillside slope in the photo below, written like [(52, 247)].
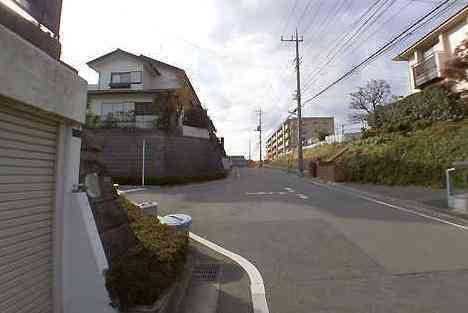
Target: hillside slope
[(413, 158)]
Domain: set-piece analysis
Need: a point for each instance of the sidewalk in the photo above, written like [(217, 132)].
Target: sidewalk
[(218, 284)]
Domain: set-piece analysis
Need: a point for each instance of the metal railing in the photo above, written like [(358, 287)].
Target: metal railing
[(429, 68)]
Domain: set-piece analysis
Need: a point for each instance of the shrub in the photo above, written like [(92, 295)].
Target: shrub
[(140, 277), (420, 110), (92, 120), (168, 180)]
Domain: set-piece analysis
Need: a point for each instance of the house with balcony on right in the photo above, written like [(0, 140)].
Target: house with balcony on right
[(427, 57)]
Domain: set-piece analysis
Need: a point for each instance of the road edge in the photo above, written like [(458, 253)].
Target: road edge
[(257, 288)]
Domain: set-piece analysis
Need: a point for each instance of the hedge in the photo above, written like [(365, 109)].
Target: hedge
[(140, 277), (168, 180)]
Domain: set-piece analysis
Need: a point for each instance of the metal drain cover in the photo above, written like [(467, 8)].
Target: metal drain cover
[(206, 272)]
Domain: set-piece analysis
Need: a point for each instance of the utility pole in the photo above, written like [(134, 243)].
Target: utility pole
[(300, 156), (259, 129)]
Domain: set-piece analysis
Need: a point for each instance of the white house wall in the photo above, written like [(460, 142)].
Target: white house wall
[(118, 63), (456, 35), (167, 80)]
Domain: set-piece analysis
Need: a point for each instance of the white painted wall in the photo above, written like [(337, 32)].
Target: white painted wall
[(118, 63), (168, 78), (121, 62), (38, 80), (83, 281), (190, 131), (456, 35)]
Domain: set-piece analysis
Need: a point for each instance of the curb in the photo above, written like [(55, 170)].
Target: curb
[(257, 288), (409, 205)]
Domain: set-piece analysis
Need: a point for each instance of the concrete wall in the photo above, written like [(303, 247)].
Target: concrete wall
[(39, 83), (38, 80), (167, 156)]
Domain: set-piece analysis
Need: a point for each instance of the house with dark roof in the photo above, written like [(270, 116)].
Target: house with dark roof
[(132, 89)]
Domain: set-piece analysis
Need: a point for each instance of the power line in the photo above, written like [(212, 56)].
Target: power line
[(289, 16), (407, 32), (375, 11)]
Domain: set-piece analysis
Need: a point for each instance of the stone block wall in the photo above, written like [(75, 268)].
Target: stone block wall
[(167, 157)]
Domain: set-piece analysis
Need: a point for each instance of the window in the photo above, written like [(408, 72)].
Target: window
[(124, 79), (120, 112), (145, 108)]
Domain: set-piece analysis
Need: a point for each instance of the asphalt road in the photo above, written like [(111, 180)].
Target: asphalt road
[(321, 250)]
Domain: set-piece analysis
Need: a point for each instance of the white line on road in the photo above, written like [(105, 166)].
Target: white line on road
[(289, 189), (300, 195), (396, 207), (257, 289)]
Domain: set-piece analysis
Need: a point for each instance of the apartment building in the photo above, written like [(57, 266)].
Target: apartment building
[(284, 139), (427, 57)]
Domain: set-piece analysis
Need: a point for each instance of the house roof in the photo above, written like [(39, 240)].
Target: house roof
[(453, 20), (147, 61)]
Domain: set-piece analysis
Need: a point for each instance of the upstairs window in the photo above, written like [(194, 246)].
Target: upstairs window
[(125, 79)]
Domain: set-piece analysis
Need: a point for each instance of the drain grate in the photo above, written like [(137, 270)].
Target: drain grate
[(206, 272)]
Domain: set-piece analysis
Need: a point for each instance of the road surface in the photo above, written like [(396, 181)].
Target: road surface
[(321, 250)]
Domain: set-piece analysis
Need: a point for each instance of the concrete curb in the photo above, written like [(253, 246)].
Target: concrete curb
[(257, 289)]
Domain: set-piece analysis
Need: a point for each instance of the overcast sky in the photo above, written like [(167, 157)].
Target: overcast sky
[(232, 52)]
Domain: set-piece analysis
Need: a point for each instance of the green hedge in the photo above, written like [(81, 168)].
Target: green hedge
[(141, 276), (418, 111)]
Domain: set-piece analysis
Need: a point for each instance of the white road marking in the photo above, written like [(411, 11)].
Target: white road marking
[(257, 289), (263, 193), (300, 195), (396, 207), (238, 172), (289, 189)]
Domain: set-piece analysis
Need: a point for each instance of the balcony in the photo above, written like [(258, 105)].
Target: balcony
[(429, 69)]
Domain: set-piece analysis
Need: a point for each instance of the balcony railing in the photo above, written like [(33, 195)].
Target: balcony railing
[(429, 69)]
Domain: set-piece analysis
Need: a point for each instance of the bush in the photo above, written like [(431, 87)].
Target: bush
[(420, 110), (139, 278)]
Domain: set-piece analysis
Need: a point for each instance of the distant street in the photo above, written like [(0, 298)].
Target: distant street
[(321, 250)]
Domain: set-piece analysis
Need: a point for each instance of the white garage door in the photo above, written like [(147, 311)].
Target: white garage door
[(27, 167)]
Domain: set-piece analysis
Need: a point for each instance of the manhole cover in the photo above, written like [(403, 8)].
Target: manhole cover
[(206, 272)]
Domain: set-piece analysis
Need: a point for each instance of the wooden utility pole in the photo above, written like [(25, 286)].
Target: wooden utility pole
[(300, 156)]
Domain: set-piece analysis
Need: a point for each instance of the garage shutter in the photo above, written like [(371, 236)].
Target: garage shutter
[(27, 167)]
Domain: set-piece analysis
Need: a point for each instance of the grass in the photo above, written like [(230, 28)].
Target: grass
[(406, 158)]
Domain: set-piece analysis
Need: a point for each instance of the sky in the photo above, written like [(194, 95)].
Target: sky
[(232, 52)]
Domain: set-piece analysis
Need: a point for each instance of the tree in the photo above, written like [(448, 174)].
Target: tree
[(366, 100)]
